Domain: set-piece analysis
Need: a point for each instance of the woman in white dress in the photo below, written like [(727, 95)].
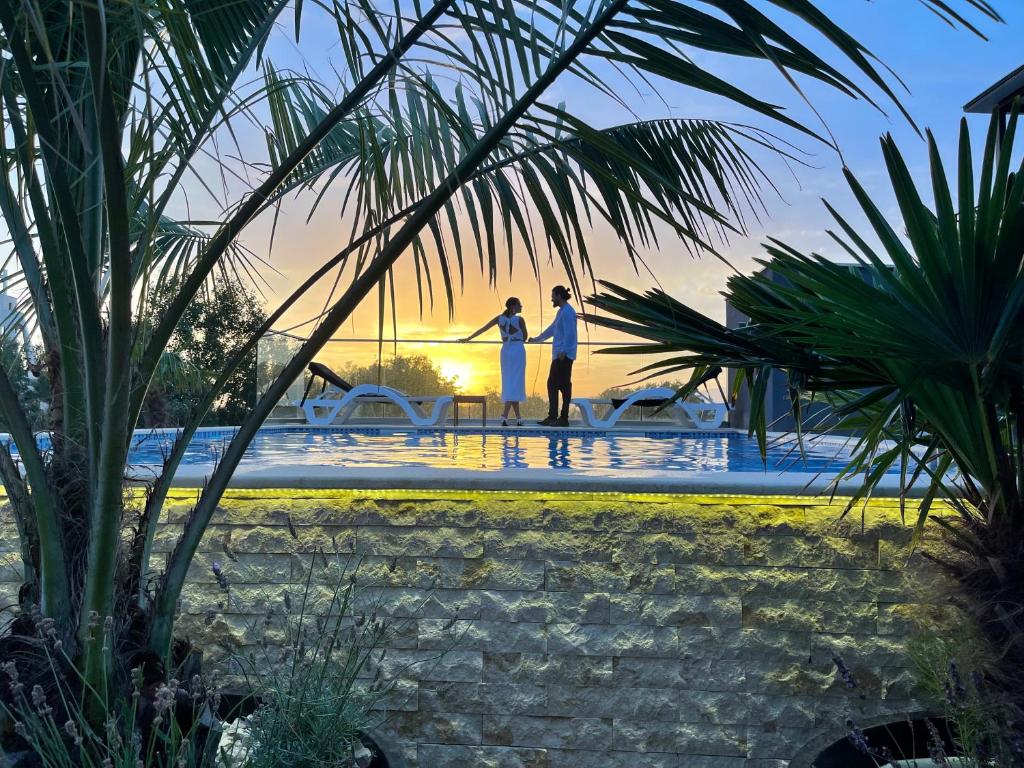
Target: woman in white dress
[(513, 357)]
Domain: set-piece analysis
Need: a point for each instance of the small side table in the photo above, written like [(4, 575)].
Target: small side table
[(458, 400)]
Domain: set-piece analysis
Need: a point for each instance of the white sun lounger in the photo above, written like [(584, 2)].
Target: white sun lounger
[(332, 406), (706, 415), (702, 415)]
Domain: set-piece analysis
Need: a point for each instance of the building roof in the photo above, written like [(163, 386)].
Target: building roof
[(998, 96)]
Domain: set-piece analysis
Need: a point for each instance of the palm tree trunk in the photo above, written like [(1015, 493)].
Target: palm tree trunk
[(105, 512)]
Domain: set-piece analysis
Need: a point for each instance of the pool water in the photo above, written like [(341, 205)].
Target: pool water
[(494, 450)]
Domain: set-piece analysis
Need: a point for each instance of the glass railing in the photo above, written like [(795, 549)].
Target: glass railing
[(433, 367)]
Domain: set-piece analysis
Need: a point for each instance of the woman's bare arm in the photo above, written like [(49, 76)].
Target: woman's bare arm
[(522, 327), (491, 324)]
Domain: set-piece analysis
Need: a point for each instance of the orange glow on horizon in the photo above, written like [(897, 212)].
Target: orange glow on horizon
[(461, 370)]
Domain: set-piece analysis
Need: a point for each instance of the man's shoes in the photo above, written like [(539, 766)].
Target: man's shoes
[(561, 423), (548, 422)]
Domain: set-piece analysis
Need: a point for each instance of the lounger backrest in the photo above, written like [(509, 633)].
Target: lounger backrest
[(651, 402), (325, 373)]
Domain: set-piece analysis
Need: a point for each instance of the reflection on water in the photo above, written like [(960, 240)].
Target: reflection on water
[(726, 452)]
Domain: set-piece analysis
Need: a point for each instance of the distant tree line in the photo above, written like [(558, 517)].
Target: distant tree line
[(215, 325)]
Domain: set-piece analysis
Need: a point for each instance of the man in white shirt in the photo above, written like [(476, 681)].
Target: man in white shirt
[(563, 353)]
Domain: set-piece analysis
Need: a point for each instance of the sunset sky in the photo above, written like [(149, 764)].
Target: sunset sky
[(943, 69)]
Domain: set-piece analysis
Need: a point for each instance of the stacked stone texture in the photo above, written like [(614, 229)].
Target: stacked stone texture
[(594, 632)]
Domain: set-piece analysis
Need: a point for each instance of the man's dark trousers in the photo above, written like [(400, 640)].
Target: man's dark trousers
[(559, 381)]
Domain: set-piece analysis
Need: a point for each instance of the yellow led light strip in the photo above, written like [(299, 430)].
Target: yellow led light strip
[(433, 494)]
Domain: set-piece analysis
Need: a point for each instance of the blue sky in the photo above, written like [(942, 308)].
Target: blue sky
[(943, 69)]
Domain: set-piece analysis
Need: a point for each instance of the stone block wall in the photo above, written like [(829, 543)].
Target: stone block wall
[(586, 631)]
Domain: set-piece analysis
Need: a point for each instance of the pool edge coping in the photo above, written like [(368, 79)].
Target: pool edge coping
[(534, 479)]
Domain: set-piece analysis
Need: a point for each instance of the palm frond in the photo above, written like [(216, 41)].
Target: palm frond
[(554, 175), (931, 338), (174, 245)]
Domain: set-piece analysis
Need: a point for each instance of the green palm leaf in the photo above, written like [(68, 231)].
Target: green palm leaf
[(694, 176), (920, 355)]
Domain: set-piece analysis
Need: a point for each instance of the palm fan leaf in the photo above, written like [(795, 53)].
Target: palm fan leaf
[(931, 337), (693, 176)]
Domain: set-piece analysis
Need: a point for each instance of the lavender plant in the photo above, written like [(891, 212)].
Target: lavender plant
[(317, 674), (977, 712), (886, 749), (164, 724), (976, 733)]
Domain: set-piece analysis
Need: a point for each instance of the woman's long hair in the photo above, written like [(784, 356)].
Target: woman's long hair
[(509, 304)]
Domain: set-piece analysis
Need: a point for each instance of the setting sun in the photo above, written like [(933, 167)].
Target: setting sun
[(461, 371)]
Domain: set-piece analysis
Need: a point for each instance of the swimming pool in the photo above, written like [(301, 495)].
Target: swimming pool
[(494, 450)]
